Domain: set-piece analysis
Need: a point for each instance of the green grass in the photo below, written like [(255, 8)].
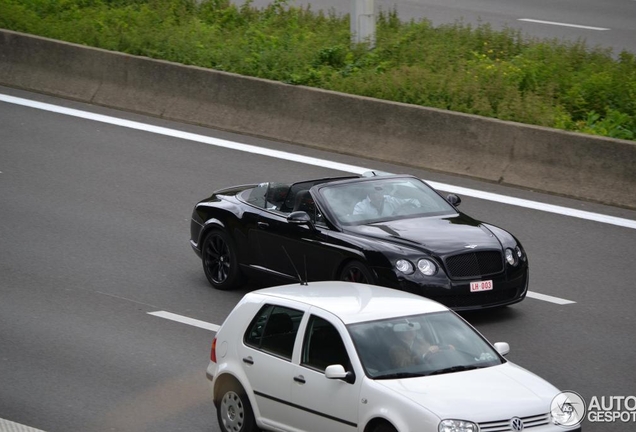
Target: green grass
[(457, 67)]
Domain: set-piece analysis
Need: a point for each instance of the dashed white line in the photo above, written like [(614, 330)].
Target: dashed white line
[(563, 24), (626, 223), (549, 298), (185, 320), (9, 426), (215, 328)]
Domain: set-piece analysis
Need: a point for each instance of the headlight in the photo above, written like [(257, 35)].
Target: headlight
[(520, 253), (511, 257), (457, 426), (404, 266), (427, 267)]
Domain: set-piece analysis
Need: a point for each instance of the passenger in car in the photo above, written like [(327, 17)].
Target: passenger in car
[(409, 346), (378, 204), (275, 196)]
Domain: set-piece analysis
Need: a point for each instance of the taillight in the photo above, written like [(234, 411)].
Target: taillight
[(213, 351)]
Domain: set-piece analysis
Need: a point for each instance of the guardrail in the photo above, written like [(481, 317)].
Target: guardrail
[(570, 164)]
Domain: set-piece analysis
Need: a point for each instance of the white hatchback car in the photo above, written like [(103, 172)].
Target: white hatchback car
[(341, 356)]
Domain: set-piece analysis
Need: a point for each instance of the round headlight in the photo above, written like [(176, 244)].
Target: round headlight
[(520, 253), (510, 257), (404, 266), (427, 267)]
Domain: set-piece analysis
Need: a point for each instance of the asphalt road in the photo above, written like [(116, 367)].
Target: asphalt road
[(94, 235), (606, 23)]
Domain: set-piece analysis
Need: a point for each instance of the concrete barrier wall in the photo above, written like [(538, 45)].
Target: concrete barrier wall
[(575, 165)]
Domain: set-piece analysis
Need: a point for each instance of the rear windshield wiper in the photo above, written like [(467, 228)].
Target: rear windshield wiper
[(459, 368)]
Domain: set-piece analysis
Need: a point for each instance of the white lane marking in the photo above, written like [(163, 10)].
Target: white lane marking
[(519, 202), (548, 298), (627, 223), (184, 135), (563, 24), (185, 320), (9, 426)]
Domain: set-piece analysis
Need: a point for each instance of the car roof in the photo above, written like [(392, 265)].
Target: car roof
[(354, 302)]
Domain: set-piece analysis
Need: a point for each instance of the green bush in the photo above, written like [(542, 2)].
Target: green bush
[(457, 67)]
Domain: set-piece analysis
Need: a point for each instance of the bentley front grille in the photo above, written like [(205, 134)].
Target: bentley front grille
[(474, 264)]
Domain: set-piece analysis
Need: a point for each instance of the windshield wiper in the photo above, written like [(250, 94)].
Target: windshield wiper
[(459, 368), (398, 375)]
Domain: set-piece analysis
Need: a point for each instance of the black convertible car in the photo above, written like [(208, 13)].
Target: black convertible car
[(391, 230)]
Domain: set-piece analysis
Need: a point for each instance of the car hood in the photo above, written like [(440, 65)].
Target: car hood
[(437, 234), (494, 393)]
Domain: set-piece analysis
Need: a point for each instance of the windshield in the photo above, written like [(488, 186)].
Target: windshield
[(383, 199), (420, 345)]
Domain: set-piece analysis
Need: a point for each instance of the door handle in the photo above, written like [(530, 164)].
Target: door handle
[(248, 360), (299, 379), (262, 225)]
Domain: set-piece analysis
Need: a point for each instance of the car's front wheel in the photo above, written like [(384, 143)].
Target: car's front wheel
[(355, 271), (235, 412), (220, 262)]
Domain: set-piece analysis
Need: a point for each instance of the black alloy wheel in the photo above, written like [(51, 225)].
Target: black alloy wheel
[(219, 261), (356, 272)]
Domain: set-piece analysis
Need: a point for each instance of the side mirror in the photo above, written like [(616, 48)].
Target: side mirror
[(502, 348), (337, 371), (454, 199), (299, 218)]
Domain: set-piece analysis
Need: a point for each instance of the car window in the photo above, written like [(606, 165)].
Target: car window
[(451, 331), (363, 202), (256, 195), (323, 346), (420, 345), (269, 196), (276, 195), (298, 189), (305, 202), (274, 330)]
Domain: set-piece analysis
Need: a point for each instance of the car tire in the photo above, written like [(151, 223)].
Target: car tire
[(355, 271), (220, 262), (235, 413)]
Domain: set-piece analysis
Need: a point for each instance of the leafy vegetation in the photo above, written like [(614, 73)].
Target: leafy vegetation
[(457, 67)]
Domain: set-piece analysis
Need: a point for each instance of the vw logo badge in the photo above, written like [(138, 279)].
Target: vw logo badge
[(516, 424)]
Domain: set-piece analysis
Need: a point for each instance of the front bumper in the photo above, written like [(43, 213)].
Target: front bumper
[(507, 289)]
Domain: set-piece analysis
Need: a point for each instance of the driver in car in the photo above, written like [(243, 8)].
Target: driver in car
[(409, 348), (378, 204)]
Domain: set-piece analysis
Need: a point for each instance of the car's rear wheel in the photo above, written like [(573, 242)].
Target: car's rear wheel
[(234, 412), (220, 262), (355, 271)]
